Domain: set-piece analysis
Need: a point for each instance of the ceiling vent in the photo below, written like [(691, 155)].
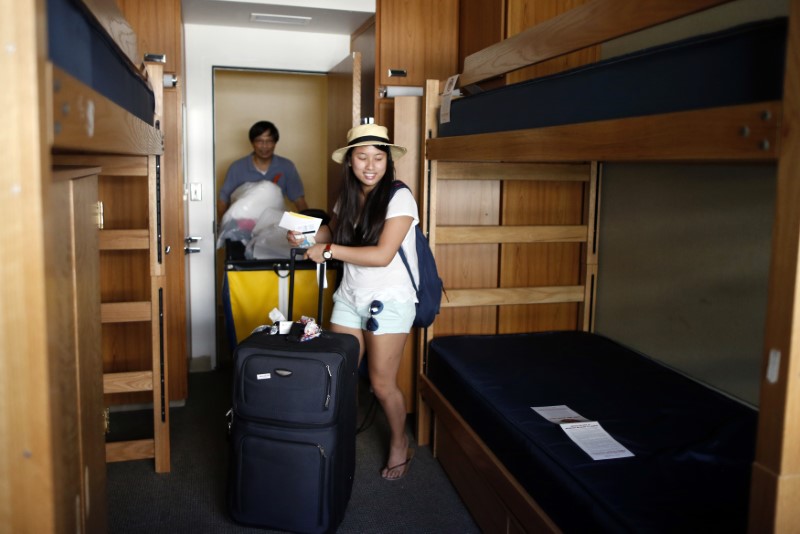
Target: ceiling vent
[(279, 19)]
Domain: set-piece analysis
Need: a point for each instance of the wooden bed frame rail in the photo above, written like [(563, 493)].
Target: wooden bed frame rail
[(85, 121), (749, 132), (496, 499)]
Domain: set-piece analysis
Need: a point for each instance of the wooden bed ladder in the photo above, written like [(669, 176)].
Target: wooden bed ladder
[(121, 180), (154, 379), (509, 235), (497, 230)]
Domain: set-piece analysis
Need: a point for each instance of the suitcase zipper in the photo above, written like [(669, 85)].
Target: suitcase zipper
[(328, 393), (326, 468)]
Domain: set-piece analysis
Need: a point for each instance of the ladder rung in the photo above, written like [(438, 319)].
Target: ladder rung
[(128, 382), (121, 451), (124, 239), (457, 298), (510, 234), (125, 312), (472, 170)]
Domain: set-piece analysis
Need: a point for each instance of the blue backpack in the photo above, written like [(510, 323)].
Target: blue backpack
[(429, 292)]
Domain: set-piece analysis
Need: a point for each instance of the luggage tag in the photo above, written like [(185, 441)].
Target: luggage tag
[(279, 323)]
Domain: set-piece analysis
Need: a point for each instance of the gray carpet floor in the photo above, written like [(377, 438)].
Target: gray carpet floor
[(191, 498)]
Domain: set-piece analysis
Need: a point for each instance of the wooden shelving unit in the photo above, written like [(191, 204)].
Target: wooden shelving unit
[(132, 282)]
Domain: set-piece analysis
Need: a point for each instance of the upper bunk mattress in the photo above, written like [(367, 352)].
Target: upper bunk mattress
[(80, 46), (693, 446), (739, 65)]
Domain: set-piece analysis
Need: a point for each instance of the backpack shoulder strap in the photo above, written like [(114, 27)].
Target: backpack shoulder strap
[(396, 186)]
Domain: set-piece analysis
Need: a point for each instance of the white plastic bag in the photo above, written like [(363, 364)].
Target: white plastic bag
[(248, 202)]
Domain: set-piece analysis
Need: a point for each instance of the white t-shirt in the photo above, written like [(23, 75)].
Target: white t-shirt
[(361, 285)]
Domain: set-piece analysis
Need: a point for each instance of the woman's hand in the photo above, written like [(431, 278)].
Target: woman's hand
[(314, 253), (294, 239)]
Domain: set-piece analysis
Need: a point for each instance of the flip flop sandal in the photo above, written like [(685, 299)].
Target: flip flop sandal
[(407, 464)]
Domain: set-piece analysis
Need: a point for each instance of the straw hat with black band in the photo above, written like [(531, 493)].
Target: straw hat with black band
[(365, 135)]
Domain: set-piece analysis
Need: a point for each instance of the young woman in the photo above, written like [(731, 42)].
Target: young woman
[(376, 300)]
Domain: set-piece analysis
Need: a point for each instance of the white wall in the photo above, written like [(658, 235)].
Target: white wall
[(217, 46)]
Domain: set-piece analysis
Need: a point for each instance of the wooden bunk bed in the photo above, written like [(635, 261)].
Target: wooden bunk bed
[(490, 156), (83, 153)]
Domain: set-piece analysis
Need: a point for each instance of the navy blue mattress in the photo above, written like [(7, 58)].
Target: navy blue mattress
[(693, 446), (80, 46), (740, 65)]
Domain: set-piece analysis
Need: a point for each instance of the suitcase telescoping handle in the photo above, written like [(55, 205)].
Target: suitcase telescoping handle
[(321, 283)]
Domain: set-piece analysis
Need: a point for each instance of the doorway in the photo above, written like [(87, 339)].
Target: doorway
[(297, 104)]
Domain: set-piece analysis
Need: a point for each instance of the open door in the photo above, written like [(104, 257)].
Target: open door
[(293, 101), (344, 112)]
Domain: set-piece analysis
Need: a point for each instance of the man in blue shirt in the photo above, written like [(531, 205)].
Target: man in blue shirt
[(263, 164)]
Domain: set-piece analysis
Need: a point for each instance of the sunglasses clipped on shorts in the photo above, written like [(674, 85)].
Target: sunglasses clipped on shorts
[(374, 309)]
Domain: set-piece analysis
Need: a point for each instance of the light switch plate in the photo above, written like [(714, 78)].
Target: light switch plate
[(196, 191)]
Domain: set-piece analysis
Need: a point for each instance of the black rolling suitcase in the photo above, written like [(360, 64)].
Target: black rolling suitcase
[(293, 427)]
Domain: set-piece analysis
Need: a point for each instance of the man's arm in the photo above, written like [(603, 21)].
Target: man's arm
[(300, 204)]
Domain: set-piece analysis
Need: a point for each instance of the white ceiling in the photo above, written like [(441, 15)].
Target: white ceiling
[(327, 16)]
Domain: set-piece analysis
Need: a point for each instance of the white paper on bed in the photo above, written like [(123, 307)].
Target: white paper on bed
[(588, 435), (559, 414), (595, 441)]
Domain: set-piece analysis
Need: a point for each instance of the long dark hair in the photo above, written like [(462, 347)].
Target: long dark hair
[(357, 226)]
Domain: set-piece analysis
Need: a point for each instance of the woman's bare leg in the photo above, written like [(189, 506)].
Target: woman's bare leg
[(385, 352), (357, 332)]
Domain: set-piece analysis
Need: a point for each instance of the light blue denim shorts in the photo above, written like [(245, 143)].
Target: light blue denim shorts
[(394, 317)]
